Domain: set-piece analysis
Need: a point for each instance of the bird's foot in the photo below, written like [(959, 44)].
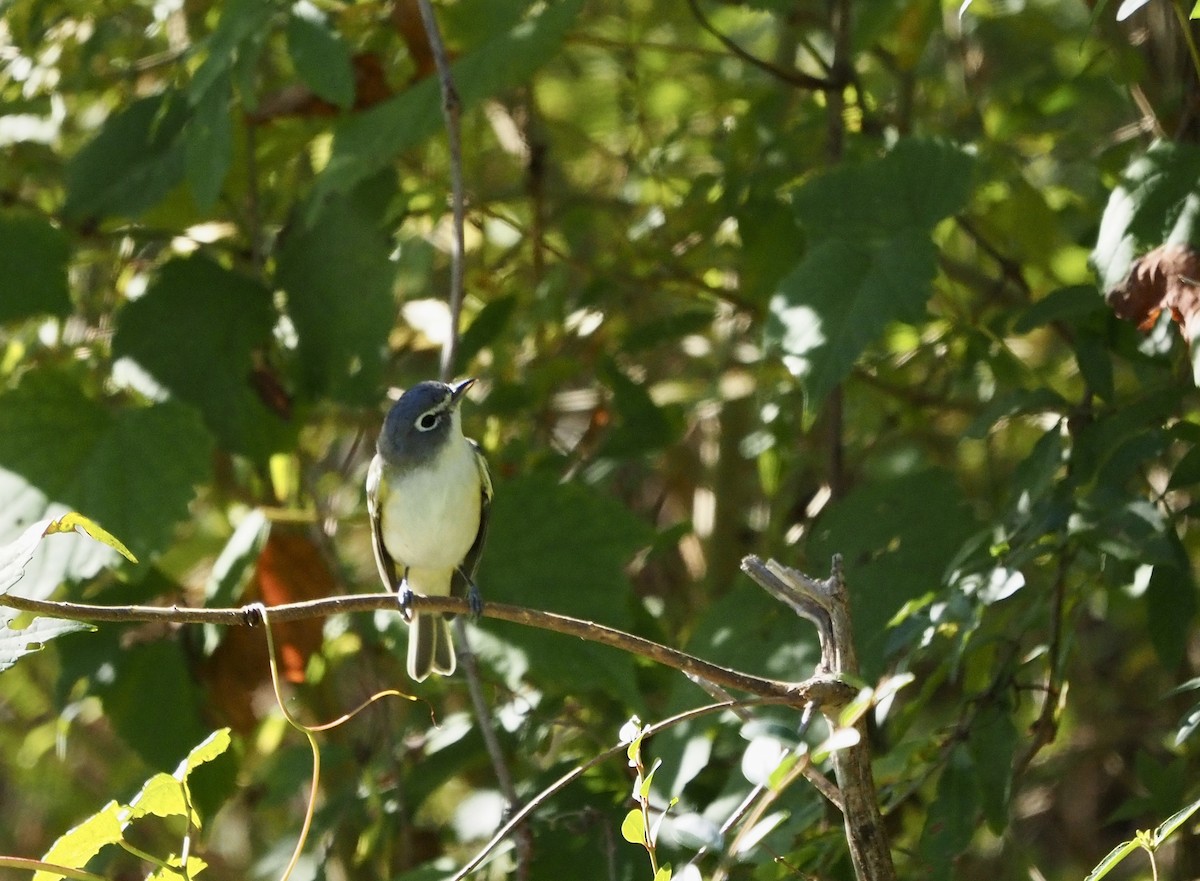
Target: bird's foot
[(474, 601), (405, 597)]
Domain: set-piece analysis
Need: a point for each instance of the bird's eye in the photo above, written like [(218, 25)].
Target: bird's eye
[(429, 421)]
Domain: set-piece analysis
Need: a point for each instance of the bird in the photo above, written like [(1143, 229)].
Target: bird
[(429, 498)]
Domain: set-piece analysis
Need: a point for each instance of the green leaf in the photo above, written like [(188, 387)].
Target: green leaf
[(633, 827), (196, 331), (242, 21), (992, 742), (1063, 304), (209, 143), (132, 163), (78, 845), (367, 142), (33, 267), (950, 823), (870, 262), (897, 537), (1168, 826), (839, 298), (338, 277), (1155, 203), (1114, 856), (564, 548), (913, 187), (133, 470), (485, 329), (16, 643), (321, 58), (1170, 611)]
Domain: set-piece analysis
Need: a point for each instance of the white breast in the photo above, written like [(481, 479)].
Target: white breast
[(432, 517)]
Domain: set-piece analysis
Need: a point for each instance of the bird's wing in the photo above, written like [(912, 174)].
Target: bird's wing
[(377, 490), (465, 573)]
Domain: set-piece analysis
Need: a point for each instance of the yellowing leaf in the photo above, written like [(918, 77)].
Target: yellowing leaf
[(76, 522), (78, 845), (633, 827)]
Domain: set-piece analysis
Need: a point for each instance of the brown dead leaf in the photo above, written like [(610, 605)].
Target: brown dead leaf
[(1166, 278), (290, 568)]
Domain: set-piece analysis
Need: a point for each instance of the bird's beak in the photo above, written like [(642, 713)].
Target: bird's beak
[(457, 391)]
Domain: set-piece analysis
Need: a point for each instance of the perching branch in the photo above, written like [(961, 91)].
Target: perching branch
[(830, 692), (827, 604)]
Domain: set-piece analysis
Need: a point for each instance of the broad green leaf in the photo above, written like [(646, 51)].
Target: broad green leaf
[(1063, 304), (132, 163), (33, 267), (950, 823), (16, 643), (209, 143), (633, 827), (563, 548), (321, 58), (197, 331), (917, 184), (897, 537), (663, 873), (367, 142), (484, 329), (992, 741), (78, 845), (132, 469), (1155, 203), (840, 297), (338, 276), (870, 260)]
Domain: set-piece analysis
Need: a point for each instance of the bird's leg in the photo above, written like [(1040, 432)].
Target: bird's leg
[(474, 597), (405, 594)]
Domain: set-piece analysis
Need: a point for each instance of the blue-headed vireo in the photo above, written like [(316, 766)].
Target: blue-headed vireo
[(428, 495)]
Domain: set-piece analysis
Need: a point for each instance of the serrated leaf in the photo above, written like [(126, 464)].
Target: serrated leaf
[(209, 143), (133, 469), (78, 845), (338, 276), (173, 871), (633, 827), (196, 331), (15, 555), (160, 796), (33, 267), (135, 159), (16, 643), (322, 59), (368, 142)]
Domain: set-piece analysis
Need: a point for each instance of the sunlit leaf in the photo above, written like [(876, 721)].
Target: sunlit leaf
[(78, 845), (633, 827), (15, 643)]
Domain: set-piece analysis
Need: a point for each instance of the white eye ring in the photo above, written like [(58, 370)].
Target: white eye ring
[(429, 421)]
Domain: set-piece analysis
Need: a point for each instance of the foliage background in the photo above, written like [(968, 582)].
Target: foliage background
[(829, 282)]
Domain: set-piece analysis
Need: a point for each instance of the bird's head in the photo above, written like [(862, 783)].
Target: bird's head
[(422, 421)]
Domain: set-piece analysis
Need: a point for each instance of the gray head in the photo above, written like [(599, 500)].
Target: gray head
[(424, 418)]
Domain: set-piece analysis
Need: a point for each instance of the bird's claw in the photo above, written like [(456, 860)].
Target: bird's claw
[(405, 596)]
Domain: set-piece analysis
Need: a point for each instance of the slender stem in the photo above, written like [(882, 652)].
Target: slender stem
[(452, 111)]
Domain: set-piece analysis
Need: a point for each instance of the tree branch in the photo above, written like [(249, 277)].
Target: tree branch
[(827, 604), (830, 692)]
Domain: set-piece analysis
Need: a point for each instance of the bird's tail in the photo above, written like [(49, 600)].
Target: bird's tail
[(430, 649)]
